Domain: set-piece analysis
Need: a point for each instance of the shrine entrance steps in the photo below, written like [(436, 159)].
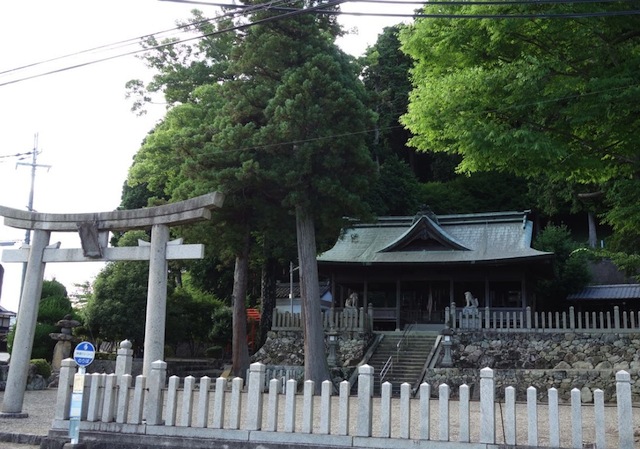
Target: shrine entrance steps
[(407, 361)]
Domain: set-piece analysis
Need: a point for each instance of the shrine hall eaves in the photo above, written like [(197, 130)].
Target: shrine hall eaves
[(445, 239)]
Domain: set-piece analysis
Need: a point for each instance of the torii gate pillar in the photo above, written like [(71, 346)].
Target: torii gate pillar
[(25, 326), (156, 316), (93, 229)]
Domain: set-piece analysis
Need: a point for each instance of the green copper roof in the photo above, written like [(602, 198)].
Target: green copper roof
[(446, 239)]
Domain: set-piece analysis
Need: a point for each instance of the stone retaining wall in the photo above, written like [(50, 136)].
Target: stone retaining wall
[(564, 361)]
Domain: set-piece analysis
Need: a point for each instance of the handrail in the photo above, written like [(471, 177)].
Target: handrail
[(405, 336), (385, 369)]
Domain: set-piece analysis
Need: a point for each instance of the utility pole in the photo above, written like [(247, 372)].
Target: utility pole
[(34, 165)]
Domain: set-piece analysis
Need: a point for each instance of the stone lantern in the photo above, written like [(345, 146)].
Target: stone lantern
[(64, 340), (332, 336)]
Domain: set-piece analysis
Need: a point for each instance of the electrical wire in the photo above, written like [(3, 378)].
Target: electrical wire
[(458, 3), (136, 40), (320, 9)]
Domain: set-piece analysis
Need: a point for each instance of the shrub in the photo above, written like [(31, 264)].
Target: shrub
[(42, 367), (213, 352)]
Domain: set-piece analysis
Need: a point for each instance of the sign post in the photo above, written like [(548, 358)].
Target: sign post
[(83, 355)]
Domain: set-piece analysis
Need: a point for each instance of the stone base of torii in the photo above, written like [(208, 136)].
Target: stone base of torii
[(94, 229)]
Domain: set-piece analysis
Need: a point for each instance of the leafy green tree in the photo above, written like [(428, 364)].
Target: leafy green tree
[(569, 267), (54, 306), (546, 99), (277, 137)]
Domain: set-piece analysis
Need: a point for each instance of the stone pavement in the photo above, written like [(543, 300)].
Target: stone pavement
[(25, 433)]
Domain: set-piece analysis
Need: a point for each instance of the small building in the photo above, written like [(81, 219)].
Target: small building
[(6, 318), (411, 268), (594, 298), (288, 297)]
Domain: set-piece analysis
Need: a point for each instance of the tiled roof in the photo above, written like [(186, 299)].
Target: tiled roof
[(283, 290), (613, 291), (5, 312), (468, 238)]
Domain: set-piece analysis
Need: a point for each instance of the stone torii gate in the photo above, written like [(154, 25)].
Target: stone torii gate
[(94, 229)]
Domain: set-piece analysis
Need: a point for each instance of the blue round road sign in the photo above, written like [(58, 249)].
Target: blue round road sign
[(84, 353)]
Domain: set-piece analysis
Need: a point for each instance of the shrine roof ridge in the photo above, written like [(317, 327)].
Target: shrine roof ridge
[(182, 212)]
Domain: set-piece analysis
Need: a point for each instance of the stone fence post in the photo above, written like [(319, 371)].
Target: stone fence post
[(487, 407), (625, 411), (65, 386), (124, 359), (254, 396), (154, 400), (365, 404)]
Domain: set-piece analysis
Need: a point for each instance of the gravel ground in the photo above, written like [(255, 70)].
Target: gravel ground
[(39, 405)]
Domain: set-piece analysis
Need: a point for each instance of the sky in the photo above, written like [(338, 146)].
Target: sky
[(80, 118)]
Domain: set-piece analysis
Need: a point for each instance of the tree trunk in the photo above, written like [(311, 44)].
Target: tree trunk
[(593, 235), (268, 298), (240, 351), (315, 360)]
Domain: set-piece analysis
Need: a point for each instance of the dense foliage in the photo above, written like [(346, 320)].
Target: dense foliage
[(555, 101)]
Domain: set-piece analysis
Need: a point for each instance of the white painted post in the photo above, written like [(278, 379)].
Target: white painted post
[(425, 415), (236, 403), (510, 431), (528, 312), (65, 386), (554, 418), (156, 315), (307, 407), (576, 419), (598, 411), (254, 396), (171, 413), (122, 410), (187, 401), (616, 317), (218, 403), (463, 414), (385, 410), (343, 414), (154, 395), (138, 400), (325, 407), (290, 406), (203, 402), (405, 409), (487, 407), (443, 411), (625, 410), (532, 417), (365, 406), (25, 327)]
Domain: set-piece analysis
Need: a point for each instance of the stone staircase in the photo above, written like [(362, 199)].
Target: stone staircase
[(407, 363)]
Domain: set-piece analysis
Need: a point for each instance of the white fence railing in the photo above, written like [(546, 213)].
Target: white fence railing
[(201, 408), (340, 320), (527, 320)]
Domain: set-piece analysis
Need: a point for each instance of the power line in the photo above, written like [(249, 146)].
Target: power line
[(136, 40), (575, 15), (319, 9)]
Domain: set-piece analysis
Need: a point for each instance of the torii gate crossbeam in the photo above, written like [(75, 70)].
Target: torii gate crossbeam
[(93, 229)]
